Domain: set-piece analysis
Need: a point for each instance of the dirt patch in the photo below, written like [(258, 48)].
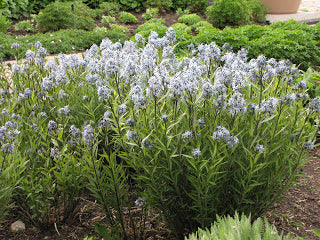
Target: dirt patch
[(299, 211)]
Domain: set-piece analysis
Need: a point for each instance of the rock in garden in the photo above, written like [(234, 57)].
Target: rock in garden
[(18, 226)]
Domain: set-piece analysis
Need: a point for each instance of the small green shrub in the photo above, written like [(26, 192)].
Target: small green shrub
[(240, 228), (4, 23), (15, 9), (108, 19), (126, 17), (59, 15), (189, 19), (228, 13), (24, 25), (258, 10), (100, 29), (150, 13), (181, 27), (199, 25), (109, 8), (136, 5), (181, 11), (119, 28), (198, 6), (152, 25)]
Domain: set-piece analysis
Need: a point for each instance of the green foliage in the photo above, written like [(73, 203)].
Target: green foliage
[(291, 40), (160, 4), (200, 25), (193, 5), (24, 25), (189, 19), (312, 78), (232, 228), (258, 10), (59, 15), (317, 233), (108, 19), (228, 13), (181, 12), (155, 24), (109, 8), (126, 17), (14, 8), (63, 41), (150, 13), (4, 23), (137, 5), (125, 138), (181, 27), (118, 33)]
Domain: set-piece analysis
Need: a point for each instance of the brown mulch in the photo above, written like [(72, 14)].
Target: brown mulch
[(299, 212)]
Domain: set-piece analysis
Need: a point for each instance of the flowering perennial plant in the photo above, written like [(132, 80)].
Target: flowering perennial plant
[(206, 134)]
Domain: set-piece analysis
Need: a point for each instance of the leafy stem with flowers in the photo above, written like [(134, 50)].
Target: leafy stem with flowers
[(191, 138)]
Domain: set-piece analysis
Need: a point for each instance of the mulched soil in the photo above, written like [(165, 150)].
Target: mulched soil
[(299, 211)]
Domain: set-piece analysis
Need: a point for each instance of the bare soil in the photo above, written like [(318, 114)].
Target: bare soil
[(299, 212)]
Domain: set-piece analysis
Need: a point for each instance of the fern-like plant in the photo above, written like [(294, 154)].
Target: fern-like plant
[(232, 228)]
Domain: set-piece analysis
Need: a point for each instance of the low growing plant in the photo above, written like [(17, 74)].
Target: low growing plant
[(189, 19), (150, 13), (24, 25), (126, 17), (231, 228), (155, 24), (109, 8), (108, 19)]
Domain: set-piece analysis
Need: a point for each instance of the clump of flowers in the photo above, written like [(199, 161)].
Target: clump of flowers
[(201, 135)]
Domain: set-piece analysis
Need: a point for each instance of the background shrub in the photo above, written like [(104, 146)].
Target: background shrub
[(258, 10), (228, 13), (109, 8), (108, 19), (155, 24), (164, 5), (150, 13), (4, 23), (189, 19), (126, 17), (15, 8), (24, 25), (59, 15)]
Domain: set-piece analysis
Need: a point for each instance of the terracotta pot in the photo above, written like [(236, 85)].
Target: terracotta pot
[(282, 6)]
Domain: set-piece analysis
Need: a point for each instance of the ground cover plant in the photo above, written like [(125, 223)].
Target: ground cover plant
[(191, 137), (239, 227)]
